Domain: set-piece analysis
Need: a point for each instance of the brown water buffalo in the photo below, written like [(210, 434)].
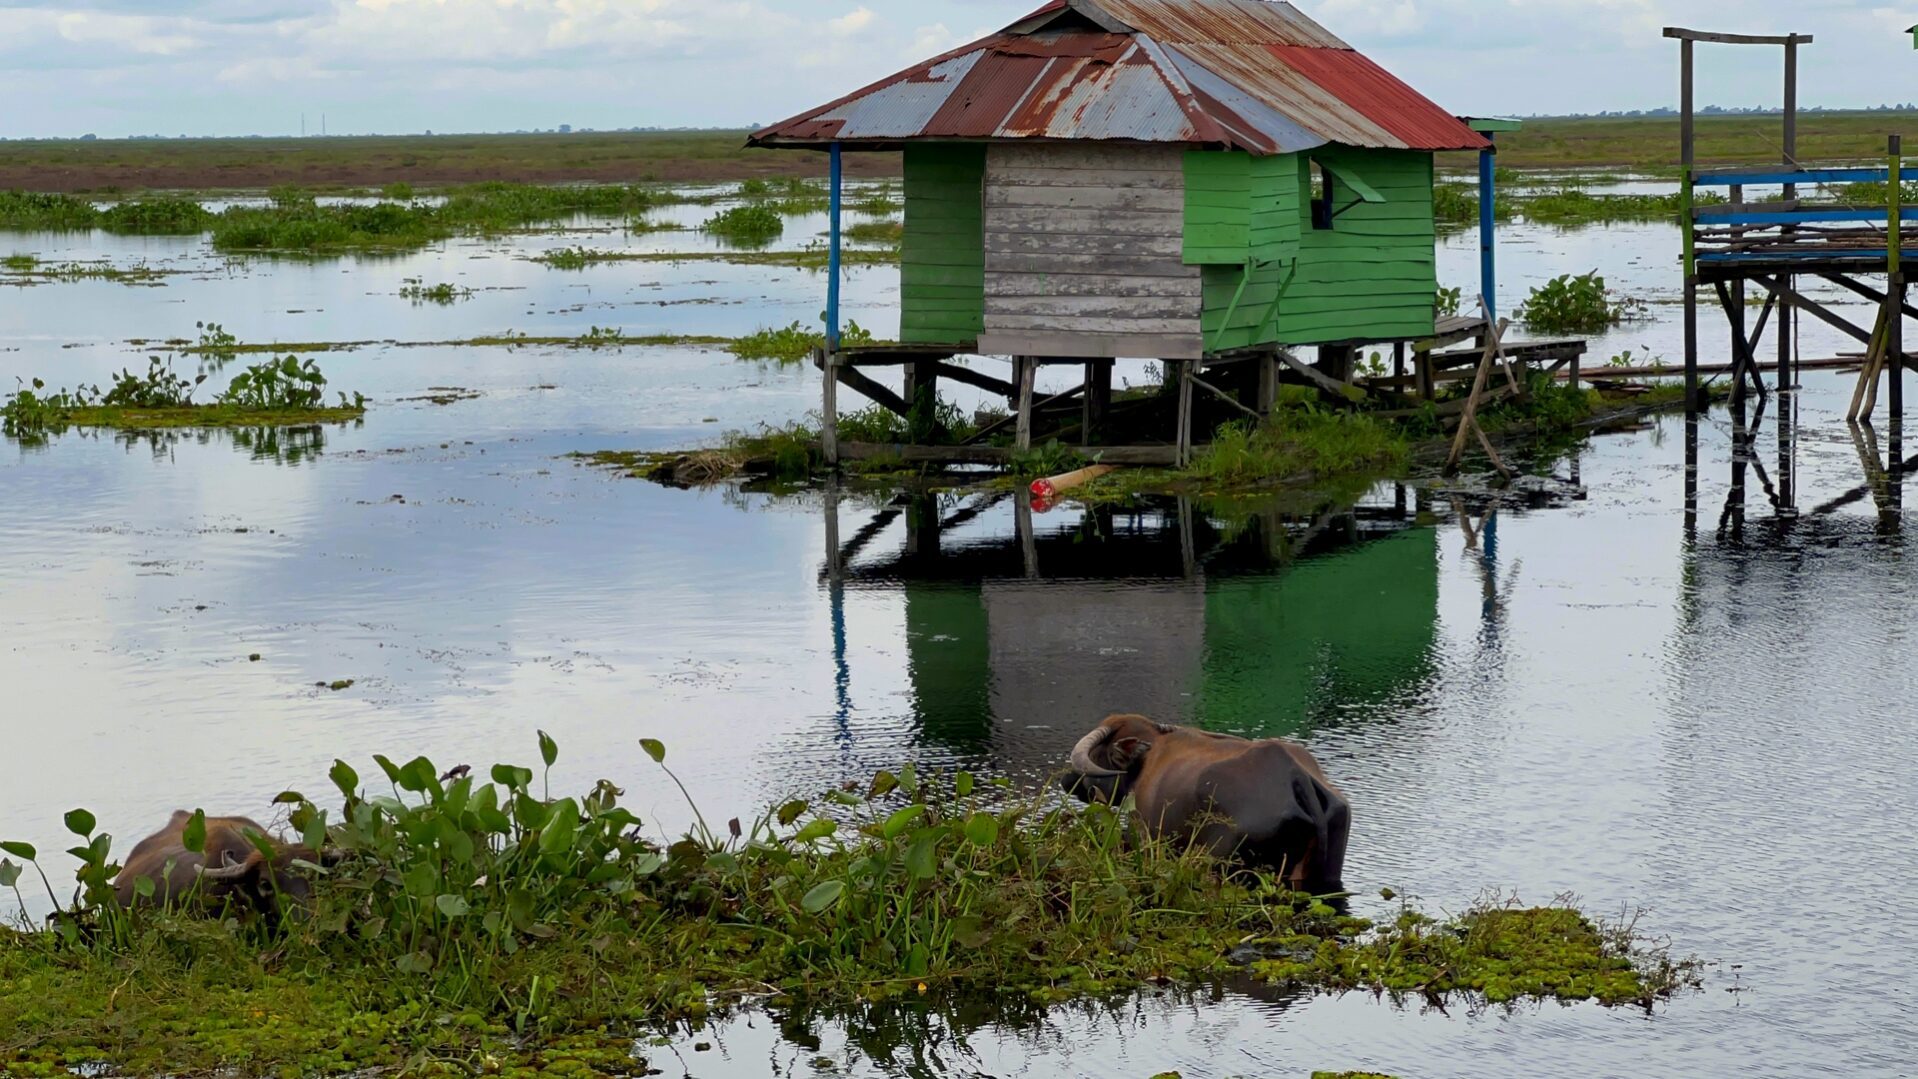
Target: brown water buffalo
[(1266, 802), (231, 869)]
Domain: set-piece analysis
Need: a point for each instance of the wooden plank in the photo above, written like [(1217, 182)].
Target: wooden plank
[(1080, 221), (1343, 390), (1069, 311), (1185, 412), (1135, 179), (1088, 265), (880, 395), (1005, 283), (1124, 244), (1100, 197), (997, 386), (997, 323), (1082, 155), (1682, 34), (1127, 346), (1022, 436)]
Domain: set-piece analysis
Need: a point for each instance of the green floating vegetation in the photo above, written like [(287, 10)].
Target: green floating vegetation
[(1572, 206), (791, 344), (278, 392), (751, 225), (468, 921), (445, 294), (1574, 304), (877, 232), (33, 211)]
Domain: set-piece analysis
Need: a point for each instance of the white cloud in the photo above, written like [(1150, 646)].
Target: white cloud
[(852, 22)]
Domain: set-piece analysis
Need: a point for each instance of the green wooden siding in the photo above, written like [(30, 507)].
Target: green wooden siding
[(1371, 276), (942, 274)]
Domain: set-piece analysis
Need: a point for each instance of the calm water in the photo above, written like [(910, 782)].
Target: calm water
[(1607, 689)]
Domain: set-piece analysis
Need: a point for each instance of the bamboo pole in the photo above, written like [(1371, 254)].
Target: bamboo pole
[(1468, 421)]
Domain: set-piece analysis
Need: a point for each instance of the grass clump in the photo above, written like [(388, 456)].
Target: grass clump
[(35, 211), (275, 393), (890, 233), (164, 216), (791, 344), (752, 225), (1572, 206), (467, 916), (1302, 440), (444, 293), (20, 263), (1573, 304), (296, 222)]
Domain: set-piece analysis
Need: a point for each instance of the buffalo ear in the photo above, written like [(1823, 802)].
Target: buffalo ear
[(1127, 752)]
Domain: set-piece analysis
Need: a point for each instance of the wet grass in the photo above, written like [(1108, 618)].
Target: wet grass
[(466, 919), (30, 270), (1651, 143)]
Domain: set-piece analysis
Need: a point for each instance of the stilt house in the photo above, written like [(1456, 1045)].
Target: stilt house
[(1178, 180)]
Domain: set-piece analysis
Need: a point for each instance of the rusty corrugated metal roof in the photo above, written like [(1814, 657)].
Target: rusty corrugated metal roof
[(1255, 75)]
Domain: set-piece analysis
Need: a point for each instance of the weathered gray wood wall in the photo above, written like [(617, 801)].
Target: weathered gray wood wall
[(1083, 253)]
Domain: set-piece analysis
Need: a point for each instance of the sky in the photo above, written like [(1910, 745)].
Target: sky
[(236, 67)]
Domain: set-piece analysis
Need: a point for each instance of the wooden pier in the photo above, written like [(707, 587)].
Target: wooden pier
[(1770, 243)]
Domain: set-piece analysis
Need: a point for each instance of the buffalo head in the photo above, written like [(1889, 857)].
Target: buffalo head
[(1106, 759)]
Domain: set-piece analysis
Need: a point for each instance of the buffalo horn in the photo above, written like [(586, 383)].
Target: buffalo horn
[(1082, 762)]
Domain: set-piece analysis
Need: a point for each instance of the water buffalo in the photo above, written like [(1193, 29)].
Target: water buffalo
[(1266, 802), (230, 869)]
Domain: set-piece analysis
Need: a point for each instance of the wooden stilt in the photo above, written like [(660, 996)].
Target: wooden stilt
[(1398, 365), (1027, 371), (1184, 439), (1098, 401), (829, 409), (1422, 368)]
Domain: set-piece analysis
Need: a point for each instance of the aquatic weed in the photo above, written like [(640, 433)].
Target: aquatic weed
[(752, 225), (1574, 304)]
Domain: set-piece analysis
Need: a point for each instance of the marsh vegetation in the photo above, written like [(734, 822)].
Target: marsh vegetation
[(472, 914)]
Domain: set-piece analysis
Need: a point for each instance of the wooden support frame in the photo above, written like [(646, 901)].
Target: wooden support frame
[(975, 379), (1098, 401), (829, 407), (1468, 420), (1025, 370)]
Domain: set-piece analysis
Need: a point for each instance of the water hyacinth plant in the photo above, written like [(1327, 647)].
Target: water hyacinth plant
[(486, 908)]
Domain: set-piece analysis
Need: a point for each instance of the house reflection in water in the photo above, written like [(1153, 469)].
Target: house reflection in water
[(1023, 630)]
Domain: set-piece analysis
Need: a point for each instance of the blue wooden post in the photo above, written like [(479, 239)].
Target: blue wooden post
[(1487, 229), (832, 258)]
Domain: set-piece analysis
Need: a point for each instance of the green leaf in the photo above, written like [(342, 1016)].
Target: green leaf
[(922, 856), (882, 783), (10, 874), (816, 830), (193, 836), (392, 770), (548, 749), (419, 776), (512, 778), (970, 931), (647, 864), (452, 906), (822, 896), (414, 963), (143, 887), (897, 823), (562, 827), (80, 822), (288, 798), (790, 812), (963, 783), (654, 748), (982, 829), (422, 880), (20, 850), (345, 778)]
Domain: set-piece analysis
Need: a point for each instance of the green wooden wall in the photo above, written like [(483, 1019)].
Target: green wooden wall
[(942, 277), (1270, 277)]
